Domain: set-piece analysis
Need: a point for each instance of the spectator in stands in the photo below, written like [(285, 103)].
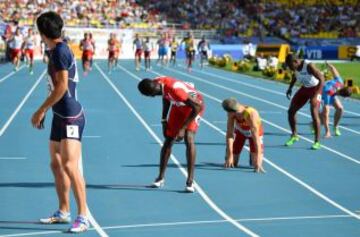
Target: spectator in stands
[(261, 63)]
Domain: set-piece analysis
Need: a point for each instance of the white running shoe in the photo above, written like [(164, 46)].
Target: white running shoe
[(81, 224), (158, 184), (190, 189), (57, 218)]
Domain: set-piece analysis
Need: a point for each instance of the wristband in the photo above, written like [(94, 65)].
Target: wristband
[(163, 120)]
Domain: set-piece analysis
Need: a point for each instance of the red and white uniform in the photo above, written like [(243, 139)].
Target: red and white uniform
[(15, 45), (309, 88), (177, 92), (243, 132), (29, 46), (88, 49), (112, 48)]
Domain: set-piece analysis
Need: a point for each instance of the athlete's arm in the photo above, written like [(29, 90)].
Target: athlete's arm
[(165, 111), (253, 120), (229, 159), (60, 88), (195, 106), (292, 83), (333, 70)]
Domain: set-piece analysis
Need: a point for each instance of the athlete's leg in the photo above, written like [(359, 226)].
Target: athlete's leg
[(339, 110), (314, 106), (70, 151), (164, 156), (325, 119), (62, 181), (190, 155)]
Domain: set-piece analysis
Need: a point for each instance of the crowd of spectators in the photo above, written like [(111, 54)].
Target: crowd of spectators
[(260, 18), (95, 13), (231, 17)]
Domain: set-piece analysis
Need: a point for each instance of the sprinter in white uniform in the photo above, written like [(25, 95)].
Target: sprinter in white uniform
[(312, 82)]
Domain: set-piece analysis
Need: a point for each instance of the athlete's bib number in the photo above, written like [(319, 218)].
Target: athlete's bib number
[(72, 131)]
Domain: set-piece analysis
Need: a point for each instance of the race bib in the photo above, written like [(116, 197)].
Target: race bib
[(72, 131)]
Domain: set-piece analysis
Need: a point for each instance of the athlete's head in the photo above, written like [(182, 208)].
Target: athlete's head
[(344, 92), (292, 62), (230, 105), (85, 35), (149, 87), (49, 25), (30, 31)]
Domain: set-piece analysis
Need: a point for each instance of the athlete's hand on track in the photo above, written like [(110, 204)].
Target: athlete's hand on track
[(288, 93), (37, 120), (229, 163)]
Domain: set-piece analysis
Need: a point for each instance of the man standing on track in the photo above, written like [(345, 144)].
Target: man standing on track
[(28, 47), (312, 82), (87, 48), (16, 43), (137, 43), (187, 107), (67, 124)]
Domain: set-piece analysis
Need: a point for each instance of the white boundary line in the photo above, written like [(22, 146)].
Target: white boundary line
[(12, 158), (92, 220), (173, 158), (183, 223), (91, 136), (6, 125), (10, 74), (271, 91), (258, 78), (265, 121)]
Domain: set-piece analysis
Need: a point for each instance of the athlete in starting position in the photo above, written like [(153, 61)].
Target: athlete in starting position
[(244, 123)]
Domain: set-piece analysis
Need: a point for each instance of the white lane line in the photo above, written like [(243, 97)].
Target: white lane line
[(6, 125), (294, 178), (12, 158), (91, 136), (173, 158), (186, 223), (257, 98), (10, 74), (265, 121), (92, 220)]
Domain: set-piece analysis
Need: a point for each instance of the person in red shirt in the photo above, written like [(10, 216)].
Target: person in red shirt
[(182, 121), (87, 48)]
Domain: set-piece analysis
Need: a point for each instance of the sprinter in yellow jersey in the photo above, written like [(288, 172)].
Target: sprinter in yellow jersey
[(243, 123), (174, 47), (189, 50)]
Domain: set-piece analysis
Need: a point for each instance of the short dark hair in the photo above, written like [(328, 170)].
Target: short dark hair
[(146, 86), (50, 24), (230, 104)]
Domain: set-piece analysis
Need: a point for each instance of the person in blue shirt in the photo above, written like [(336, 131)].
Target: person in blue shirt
[(67, 124), (331, 90)]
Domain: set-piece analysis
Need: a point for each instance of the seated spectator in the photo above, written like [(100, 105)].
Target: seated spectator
[(261, 63)]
